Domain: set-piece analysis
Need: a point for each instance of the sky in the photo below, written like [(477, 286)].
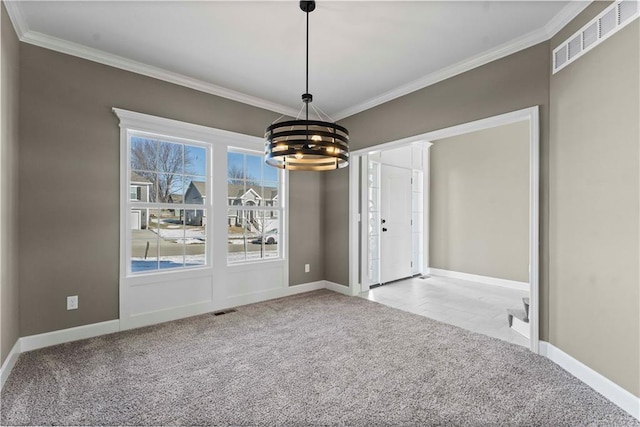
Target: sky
[(254, 164)]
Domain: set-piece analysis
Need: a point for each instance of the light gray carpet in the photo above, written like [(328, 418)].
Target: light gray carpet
[(314, 359)]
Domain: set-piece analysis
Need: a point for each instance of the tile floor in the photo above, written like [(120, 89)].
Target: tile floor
[(470, 305)]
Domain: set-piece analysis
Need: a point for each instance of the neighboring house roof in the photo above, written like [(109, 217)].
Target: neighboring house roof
[(238, 191), (201, 186), (139, 179)]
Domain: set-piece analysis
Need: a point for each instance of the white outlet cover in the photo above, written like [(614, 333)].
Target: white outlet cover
[(72, 302)]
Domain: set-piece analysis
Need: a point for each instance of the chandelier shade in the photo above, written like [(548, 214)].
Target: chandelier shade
[(303, 144), (307, 145)]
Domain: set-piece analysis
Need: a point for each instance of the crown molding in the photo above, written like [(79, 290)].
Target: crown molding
[(16, 17), (562, 18), (566, 15), (476, 61), (126, 64), (70, 48)]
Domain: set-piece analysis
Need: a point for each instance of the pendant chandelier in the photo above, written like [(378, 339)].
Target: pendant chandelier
[(307, 145)]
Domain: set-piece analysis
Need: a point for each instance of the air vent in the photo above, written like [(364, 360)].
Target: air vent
[(221, 312), (575, 46), (600, 28)]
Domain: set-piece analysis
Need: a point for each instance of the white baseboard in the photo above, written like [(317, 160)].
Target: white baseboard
[(522, 286), (341, 289), (9, 363), (240, 300), (616, 394), (612, 391), (34, 342), (520, 327)]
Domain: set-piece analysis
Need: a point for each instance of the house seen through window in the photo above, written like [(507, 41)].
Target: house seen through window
[(167, 204), (254, 214)]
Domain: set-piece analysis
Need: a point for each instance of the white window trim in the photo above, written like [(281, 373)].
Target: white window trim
[(220, 141), (148, 298), (129, 132)]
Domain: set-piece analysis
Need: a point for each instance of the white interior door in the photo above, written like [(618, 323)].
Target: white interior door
[(395, 210)]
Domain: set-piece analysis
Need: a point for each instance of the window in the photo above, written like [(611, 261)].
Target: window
[(134, 192), (254, 215), (167, 203)]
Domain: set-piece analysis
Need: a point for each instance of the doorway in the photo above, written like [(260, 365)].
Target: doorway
[(394, 207), (361, 245)]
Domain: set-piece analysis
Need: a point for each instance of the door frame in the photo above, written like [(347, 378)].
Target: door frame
[(358, 220)]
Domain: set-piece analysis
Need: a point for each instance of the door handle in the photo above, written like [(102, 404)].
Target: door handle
[(384, 229)]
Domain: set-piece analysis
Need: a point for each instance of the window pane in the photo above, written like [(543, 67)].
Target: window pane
[(195, 245), (170, 158), (144, 154), (254, 168), (171, 254), (253, 233), (235, 168), (269, 193), (270, 173), (235, 193), (167, 172), (195, 160), (146, 181), (144, 254), (236, 241), (195, 191), (154, 220), (170, 188), (271, 240), (172, 234)]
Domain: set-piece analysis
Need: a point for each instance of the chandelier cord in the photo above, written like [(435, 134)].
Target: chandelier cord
[(308, 142), (307, 76)]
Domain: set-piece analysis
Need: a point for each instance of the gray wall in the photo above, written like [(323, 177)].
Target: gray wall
[(479, 203), (518, 81), (9, 188), (336, 226), (69, 177), (594, 304), (306, 227)]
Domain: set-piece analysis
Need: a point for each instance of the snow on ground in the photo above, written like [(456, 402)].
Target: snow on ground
[(190, 241), (141, 264), (149, 264), (194, 233)]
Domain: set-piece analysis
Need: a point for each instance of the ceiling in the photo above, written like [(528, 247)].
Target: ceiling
[(361, 53)]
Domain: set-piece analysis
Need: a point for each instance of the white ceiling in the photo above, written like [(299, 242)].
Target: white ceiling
[(361, 53)]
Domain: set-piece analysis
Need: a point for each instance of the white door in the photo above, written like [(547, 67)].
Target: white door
[(395, 215)]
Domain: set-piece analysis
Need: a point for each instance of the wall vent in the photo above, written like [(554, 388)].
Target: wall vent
[(600, 28), (221, 312)]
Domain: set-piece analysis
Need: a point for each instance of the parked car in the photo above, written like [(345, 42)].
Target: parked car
[(270, 237)]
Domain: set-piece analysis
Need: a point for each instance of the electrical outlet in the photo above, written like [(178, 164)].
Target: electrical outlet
[(307, 268), (72, 302)]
